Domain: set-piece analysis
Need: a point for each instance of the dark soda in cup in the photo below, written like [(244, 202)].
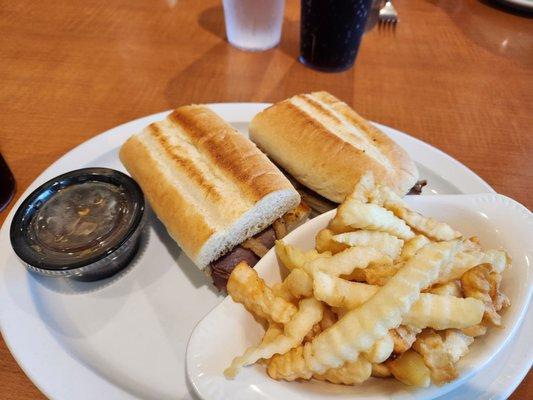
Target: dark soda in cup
[(331, 31), (7, 184)]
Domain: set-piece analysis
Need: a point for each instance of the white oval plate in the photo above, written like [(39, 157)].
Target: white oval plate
[(497, 220), (125, 338)]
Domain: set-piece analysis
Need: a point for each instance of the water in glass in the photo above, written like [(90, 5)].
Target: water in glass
[(253, 24)]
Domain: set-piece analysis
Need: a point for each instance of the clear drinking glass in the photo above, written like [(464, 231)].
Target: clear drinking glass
[(253, 24)]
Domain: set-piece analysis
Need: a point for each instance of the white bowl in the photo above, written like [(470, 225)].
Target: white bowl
[(228, 329)]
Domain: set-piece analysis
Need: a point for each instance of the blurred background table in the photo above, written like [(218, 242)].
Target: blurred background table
[(455, 74)]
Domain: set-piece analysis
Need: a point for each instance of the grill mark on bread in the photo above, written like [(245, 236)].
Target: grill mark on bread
[(192, 170), (355, 134), (328, 110), (208, 142), (320, 108), (365, 126), (177, 177), (364, 131), (235, 156), (317, 126), (157, 191), (227, 185), (218, 190), (304, 116), (396, 155)]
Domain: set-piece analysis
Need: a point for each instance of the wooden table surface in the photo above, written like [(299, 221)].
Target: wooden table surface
[(455, 74)]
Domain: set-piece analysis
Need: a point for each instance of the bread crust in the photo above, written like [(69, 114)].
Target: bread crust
[(166, 200), (234, 155), (203, 179), (327, 146)]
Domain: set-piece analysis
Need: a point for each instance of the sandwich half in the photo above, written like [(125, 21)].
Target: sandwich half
[(326, 146), (210, 186)]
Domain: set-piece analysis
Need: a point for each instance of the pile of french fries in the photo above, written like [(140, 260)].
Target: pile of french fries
[(387, 293)]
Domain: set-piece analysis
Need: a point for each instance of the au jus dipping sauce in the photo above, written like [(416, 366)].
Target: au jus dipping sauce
[(84, 224)]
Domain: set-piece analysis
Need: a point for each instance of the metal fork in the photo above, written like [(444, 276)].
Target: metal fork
[(388, 14)]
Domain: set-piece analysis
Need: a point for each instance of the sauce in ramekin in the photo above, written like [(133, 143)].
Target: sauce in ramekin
[(85, 224)]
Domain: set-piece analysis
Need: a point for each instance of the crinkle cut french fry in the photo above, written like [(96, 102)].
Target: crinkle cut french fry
[(309, 313), (456, 343), (403, 337), (430, 346), (338, 292), (483, 284), (379, 274), (292, 257), (346, 261), (439, 354), (337, 225), (361, 327), (299, 283), (280, 290), (452, 288), (444, 312), (409, 368), (461, 262), (328, 319), (289, 366), (426, 225), (272, 332), (383, 242), (380, 371), (475, 330), (357, 275), (499, 299), (411, 246), (497, 258), (430, 310), (246, 287), (350, 373), (380, 350), (315, 330), (324, 242), (363, 188), (340, 311), (356, 215), (469, 256), (383, 194)]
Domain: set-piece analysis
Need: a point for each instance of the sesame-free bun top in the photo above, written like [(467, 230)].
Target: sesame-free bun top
[(210, 186), (325, 145)]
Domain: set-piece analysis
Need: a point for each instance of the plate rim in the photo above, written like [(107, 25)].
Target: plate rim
[(240, 109)]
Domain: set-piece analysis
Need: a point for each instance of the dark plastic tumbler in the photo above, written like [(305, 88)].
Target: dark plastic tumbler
[(331, 31), (7, 184)]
